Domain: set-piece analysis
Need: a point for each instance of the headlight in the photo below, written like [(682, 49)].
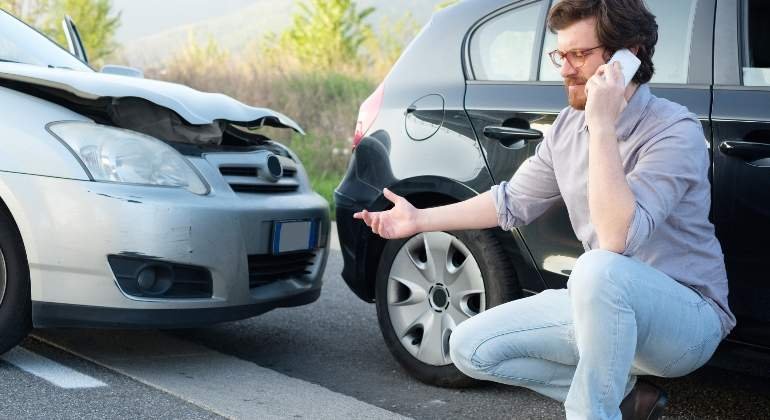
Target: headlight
[(115, 155)]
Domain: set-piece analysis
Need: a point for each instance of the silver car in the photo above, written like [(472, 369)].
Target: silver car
[(127, 202)]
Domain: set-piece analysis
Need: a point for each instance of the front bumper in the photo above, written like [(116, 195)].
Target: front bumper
[(61, 315), (70, 227)]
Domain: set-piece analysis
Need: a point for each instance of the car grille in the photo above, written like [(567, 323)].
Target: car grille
[(245, 178), (265, 269)]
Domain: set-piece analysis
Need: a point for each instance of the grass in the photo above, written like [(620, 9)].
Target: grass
[(325, 160)]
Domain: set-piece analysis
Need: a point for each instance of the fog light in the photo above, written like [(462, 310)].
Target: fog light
[(151, 278), (155, 280)]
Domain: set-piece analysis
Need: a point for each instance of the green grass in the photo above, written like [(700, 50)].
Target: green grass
[(325, 160), (325, 186)]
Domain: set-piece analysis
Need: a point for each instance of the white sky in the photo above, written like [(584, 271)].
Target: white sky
[(145, 17)]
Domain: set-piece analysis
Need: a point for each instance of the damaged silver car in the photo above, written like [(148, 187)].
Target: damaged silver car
[(127, 202)]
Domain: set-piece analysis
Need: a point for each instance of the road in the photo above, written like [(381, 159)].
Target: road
[(325, 360)]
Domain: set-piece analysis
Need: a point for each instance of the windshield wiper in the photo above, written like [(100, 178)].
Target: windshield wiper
[(50, 66)]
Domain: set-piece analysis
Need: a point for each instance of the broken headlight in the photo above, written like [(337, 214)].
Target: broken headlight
[(116, 155)]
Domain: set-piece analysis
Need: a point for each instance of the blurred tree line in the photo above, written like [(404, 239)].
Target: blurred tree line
[(324, 34), (94, 18), (338, 36)]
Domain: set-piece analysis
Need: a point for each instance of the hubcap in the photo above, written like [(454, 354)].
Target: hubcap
[(439, 297), (435, 284)]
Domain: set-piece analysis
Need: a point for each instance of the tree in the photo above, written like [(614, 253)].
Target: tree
[(326, 33), (392, 36), (94, 21), (30, 11), (94, 18)]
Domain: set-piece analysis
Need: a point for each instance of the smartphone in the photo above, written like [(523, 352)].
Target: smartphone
[(628, 62)]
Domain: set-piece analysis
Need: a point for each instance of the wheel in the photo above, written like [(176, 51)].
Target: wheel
[(426, 285), (15, 305)]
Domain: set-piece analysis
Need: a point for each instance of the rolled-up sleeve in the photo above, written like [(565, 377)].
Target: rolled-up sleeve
[(664, 172), (531, 190)]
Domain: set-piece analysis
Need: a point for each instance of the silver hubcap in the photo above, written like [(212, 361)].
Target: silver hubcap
[(3, 277), (434, 285)]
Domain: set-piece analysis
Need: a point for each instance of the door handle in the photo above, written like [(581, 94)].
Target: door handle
[(746, 150), (511, 136)]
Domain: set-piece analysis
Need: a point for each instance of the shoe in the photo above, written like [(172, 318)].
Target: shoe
[(645, 402)]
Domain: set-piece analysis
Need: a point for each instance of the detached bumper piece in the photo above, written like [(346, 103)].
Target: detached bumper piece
[(149, 278)]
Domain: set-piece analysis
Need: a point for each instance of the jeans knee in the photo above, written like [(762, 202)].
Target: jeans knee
[(594, 274), (463, 344)]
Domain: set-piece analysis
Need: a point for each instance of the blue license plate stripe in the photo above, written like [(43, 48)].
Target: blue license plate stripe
[(313, 240), (277, 237)]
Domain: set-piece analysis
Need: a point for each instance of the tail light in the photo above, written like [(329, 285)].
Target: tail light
[(368, 113)]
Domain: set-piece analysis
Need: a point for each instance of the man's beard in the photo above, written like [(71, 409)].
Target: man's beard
[(576, 96)]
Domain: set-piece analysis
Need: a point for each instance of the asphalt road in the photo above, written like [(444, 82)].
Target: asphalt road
[(333, 347), (336, 343)]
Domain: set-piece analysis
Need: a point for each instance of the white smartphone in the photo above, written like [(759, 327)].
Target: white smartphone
[(628, 62)]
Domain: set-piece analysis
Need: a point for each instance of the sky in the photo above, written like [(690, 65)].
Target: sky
[(146, 17)]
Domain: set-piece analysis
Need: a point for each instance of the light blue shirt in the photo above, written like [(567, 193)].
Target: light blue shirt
[(666, 161)]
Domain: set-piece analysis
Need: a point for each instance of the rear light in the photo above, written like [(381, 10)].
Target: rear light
[(368, 113)]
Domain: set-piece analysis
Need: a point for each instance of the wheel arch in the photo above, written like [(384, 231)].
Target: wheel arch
[(10, 204), (422, 192)]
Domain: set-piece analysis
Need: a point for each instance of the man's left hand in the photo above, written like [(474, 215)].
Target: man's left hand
[(605, 92)]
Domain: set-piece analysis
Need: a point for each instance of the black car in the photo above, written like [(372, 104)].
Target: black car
[(469, 101)]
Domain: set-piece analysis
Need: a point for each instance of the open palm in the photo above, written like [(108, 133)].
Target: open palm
[(398, 222)]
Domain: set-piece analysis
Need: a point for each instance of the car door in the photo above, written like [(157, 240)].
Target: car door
[(510, 112), (513, 92), (741, 119)]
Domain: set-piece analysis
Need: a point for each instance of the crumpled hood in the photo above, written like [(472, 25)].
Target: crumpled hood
[(193, 106)]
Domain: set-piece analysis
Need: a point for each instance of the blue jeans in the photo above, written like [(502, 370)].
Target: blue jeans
[(585, 345)]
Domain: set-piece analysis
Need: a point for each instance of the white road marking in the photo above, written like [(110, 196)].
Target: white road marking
[(219, 383), (50, 371)]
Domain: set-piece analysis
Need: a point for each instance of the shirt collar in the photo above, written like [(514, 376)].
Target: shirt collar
[(629, 118)]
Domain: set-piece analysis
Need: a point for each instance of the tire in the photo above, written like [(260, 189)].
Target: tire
[(15, 302), (418, 306)]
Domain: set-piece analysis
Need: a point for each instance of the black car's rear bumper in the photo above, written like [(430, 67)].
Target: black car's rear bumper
[(353, 242)]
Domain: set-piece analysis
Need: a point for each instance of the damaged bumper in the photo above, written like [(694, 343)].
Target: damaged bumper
[(217, 248)]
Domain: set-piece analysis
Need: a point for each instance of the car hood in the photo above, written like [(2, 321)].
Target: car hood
[(98, 89)]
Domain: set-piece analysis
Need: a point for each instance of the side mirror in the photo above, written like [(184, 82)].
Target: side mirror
[(74, 42), (122, 71)]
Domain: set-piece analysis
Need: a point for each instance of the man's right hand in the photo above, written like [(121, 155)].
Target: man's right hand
[(398, 222)]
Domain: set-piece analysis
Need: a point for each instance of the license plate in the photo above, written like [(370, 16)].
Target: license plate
[(295, 235)]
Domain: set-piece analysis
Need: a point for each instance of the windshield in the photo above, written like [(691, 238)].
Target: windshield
[(20, 43)]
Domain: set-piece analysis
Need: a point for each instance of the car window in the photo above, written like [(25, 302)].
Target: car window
[(756, 43), (502, 48), (672, 52)]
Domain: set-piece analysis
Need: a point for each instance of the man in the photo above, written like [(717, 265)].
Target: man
[(649, 297)]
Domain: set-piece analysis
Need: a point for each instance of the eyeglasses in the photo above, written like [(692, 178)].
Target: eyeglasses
[(576, 58)]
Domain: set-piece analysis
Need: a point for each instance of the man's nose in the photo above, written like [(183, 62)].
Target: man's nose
[(567, 69)]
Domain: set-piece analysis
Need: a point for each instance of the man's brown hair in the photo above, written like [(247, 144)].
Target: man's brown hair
[(619, 24)]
